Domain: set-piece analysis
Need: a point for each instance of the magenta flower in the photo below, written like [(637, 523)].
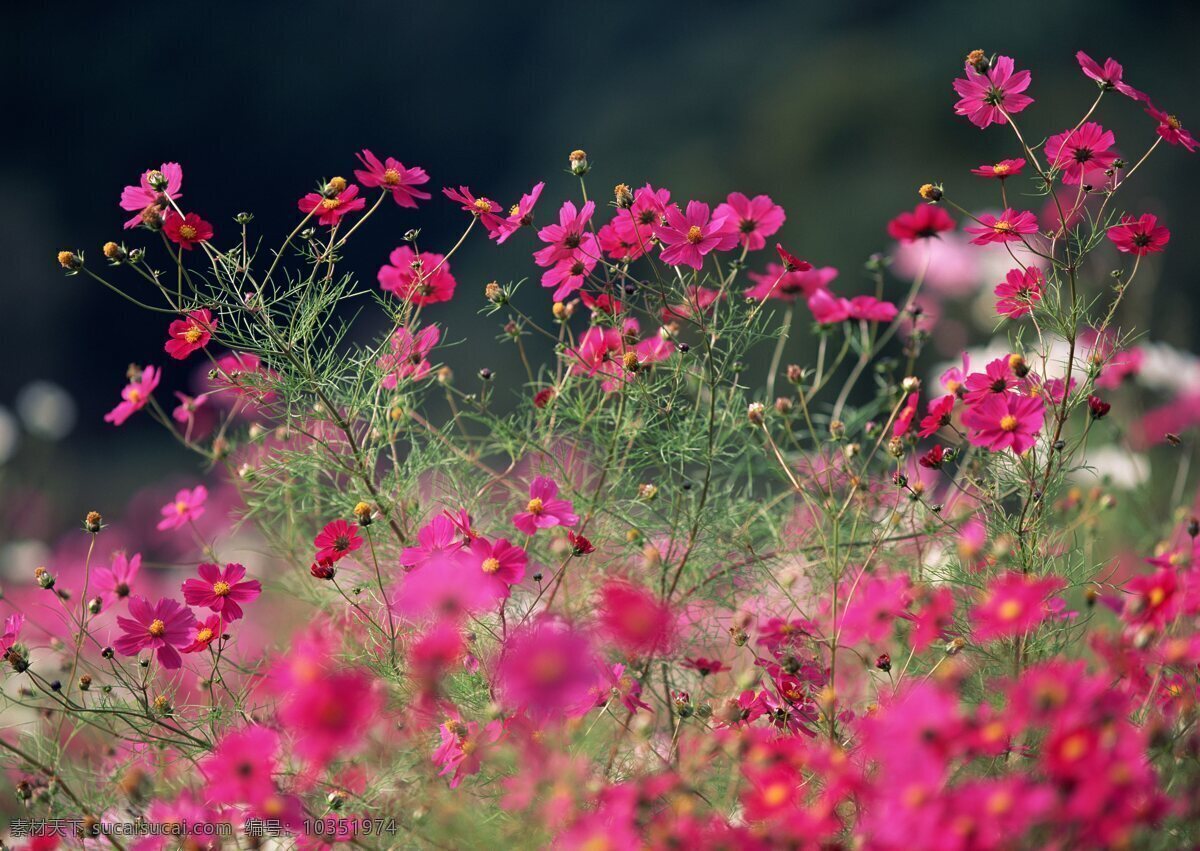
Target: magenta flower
[(521, 215), (336, 541), (544, 510), (499, 561), (1019, 292), (407, 360), (241, 768), (788, 285), (937, 415), (12, 631), (827, 308), (186, 507), (1009, 227), (204, 633), (1170, 128), (635, 619), (985, 97), (568, 275), (547, 669), (867, 308), (628, 236), (187, 230), (1082, 154), (569, 239), (751, 219), (447, 586), (420, 279), (190, 334), (1001, 170), (486, 210), (114, 583), (393, 176), (329, 209), (688, 238), (145, 196), (997, 377), (1014, 604), (221, 590), (923, 222), (161, 627), (439, 535), (331, 712), (1140, 236), (1005, 421), (135, 396), (1108, 76)]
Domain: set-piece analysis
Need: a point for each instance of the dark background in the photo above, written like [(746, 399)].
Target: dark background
[(838, 110)]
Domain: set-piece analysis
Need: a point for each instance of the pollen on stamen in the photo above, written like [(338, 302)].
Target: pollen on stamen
[(331, 203), (187, 232), (490, 565), (193, 333), (391, 177), (1008, 423), (221, 589), (534, 506), (157, 628), (695, 234)]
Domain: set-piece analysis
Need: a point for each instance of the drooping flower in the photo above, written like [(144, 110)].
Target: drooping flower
[(393, 176), (1082, 154), (1019, 292), (635, 619), (924, 221), (407, 359), (155, 189), (778, 282), (186, 507), (1108, 76), (1005, 421), (336, 541), (1001, 170), (545, 510), (12, 632), (330, 208), (135, 396), (521, 214), (115, 583), (1170, 128), (548, 670), (489, 213), (985, 97), (751, 219), (908, 412), (191, 334), (419, 279), (1140, 236), (186, 231), (222, 590), (1009, 227), (688, 238), (1013, 604), (162, 627)]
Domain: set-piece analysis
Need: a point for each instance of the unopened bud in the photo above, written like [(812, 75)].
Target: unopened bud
[(783, 405), (362, 512), (795, 373), (44, 578), (630, 362), (756, 413), (579, 163), (978, 60), (335, 186), (114, 252), (95, 605), (93, 522), (494, 293)]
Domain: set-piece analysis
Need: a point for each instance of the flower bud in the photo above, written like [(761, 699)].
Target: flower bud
[(978, 60), (630, 362), (738, 636), (884, 662), (895, 447), (95, 605), (756, 413), (323, 569), (152, 219), (93, 522), (559, 310), (107, 652), (837, 429), (494, 293), (162, 705), (335, 186), (579, 163), (783, 405), (623, 195), (362, 512), (335, 799), (157, 180), (44, 578), (70, 261), (911, 384), (486, 374), (795, 373), (647, 491), (1098, 408), (114, 253), (930, 192), (85, 682)]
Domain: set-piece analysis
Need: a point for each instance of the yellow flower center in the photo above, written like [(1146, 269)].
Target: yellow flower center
[(483, 205), (187, 232), (534, 506), (1157, 595), (331, 203), (776, 794), (1074, 747), (135, 395), (391, 177), (695, 234), (157, 628), (1174, 123), (181, 507), (514, 209), (1003, 227), (193, 333), (490, 565), (1000, 168), (1008, 423), (205, 635), (221, 589), (1010, 610)]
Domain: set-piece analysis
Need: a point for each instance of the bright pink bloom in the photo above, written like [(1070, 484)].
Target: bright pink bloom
[(12, 632), (448, 585), (1169, 128), (437, 536), (1140, 236), (329, 210), (460, 752), (827, 308), (187, 230), (1082, 154), (619, 683), (697, 301), (904, 419), (931, 621), (114, 583), (186, 507), (144, 196), (241, 768), (628, 236), (204, 633), (420, 279), (688, 238), (751, 219), (336, 541), (499, 561), (330, 713), (1153, 598), (221, 590), (778, 282), (547, 669), (1109, 76), (568, 275), (923, 222), (1019, 292), (190, 334), (1005, 421), (545, 510), (1001, 170), (521, 214), (161, 627), (937, 415), (984, 98), (1007, 228), (393, 176), (135, 396), (634, 619), (407, 359), (867, 308), (486, 210), (245, 376), (569, 239), (1013, 605), (997, 377)]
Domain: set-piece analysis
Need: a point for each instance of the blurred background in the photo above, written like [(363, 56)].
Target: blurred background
[(837, 110)]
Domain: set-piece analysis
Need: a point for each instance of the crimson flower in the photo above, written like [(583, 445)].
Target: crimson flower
[(161, 627), (1009, 227), (985, 97), (1005, 421), (221, 590), (1001, 170), (791, 263), (336, 541), (393, 176), (186, 230), (329, 209), (1170, 128), (1108, 76), (923, 222), (190, 334), (1140, 236), (688, 238), (1019, 292), (937, 415)]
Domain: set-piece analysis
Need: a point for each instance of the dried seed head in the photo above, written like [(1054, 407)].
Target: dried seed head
[(85, 682), (44, 578), (362, 512), (336, 185), (930, 192), (579, 163), (623, 195), (756, 413), (630, 362), (494, 293), (977, 59), (70, 261), (93, 522)]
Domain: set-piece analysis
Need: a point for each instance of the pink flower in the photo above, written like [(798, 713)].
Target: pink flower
[(634, 619), (752, 220), (161, 627), (135, 396), (545, 510), (778, 282), (569, 239), (186, 507), (336, 541), (12, 631), (1005, 421), (499, 561), (1019, 292), (997, 377), (1169, 128), (392, 175), (688, 238), (407, 360), (937, 415), (144, 196), (485, 209), (827, 308), (437, 536), (1014, 604), (923, 222), (331, 712), (617, 682), (190, 334), (985, 97), (1082, 154), (204, 633), (520, 215), (241, 767), (1008, 228), (114, 583), (870, 309), (221, 590), (420, 279), (548, 670), (447, 586), (568, 274), (459, 753), (1001, 170), (1108, 76), (1140, 236), (245, 376), (907, 414), (187, 230), (329, 209)]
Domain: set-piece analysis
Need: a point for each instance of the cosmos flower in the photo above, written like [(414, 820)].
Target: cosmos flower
[(1108, 76), (1001, 170), (1013, 604), (190, 334), (336, 541), (187, 506), (1171, 129), (688, 238), (135, 396), (408, 356), (1019, 292), (419, 279), (1082, 154), (923, 222), (545, 510), (1009, 227), (1005, 421), (162, 627), (115, 583), (393, 176), (779, 283), (751, 219), (154, 191), (985, 97), (222, 590), (331, 207), (1139, 236), (487, 211)]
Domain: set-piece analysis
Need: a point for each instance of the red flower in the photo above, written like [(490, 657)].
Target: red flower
[(937, 415), (329, 209), (580, 546), (1001, 170), (190, 334), (1107, 76), (336, 541), (1005, 421), (1098, 408), (485, 209), (1019, 292), (1140, 236), (1082, 154), (161, 627), (186, 230), (421, 280), (923, 222), (791, 263), (934, 457), (1171, 129)]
